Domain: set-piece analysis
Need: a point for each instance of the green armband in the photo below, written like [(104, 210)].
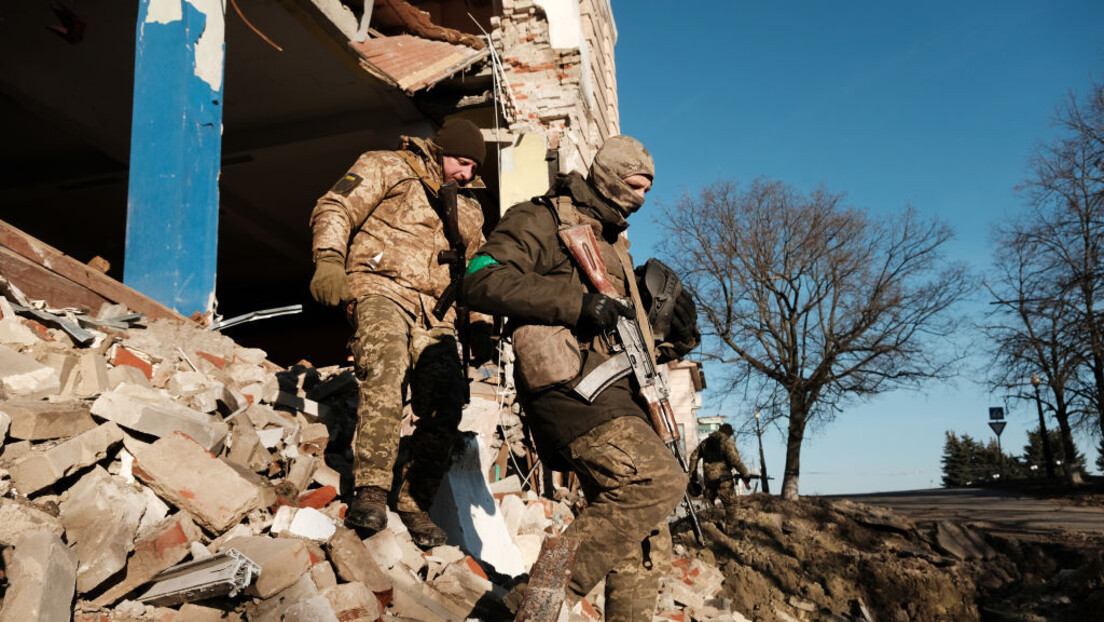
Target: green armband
[(479, 262)]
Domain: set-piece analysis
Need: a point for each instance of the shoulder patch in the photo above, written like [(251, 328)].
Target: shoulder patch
[(347, 184)]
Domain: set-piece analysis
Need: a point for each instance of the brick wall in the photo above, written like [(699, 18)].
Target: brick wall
[(568, 94)]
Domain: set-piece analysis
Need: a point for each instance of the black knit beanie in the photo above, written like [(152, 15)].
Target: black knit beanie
[(460, 138)]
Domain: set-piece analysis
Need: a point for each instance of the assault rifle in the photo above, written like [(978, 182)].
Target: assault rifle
[(632, 353), (456, 258)]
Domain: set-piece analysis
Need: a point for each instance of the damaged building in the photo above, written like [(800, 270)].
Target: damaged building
[(163, 428)]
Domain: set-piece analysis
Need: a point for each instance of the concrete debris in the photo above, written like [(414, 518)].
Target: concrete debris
[(100, 514), (22, 376), (166, 545), (43, 467), (40, 420), (147, 411), (19, 516), (183, 473), (41, 577), (162, 472), (353, 601)]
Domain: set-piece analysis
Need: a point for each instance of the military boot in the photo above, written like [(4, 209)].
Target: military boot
[(423, 530), (368, 509), (515, 597)]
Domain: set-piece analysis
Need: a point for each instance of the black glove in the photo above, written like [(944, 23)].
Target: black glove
[(684, 335), (600, 312), (694, 488)]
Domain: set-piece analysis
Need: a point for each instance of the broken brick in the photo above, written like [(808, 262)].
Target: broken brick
[(124, 357), (317, 498)]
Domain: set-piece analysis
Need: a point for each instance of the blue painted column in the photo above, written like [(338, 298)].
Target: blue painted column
[(175, 145)]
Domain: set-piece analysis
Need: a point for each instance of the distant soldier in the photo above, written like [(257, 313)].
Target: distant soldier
[(718, 452)]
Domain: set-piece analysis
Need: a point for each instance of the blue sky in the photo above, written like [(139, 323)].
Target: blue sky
[(933, 104)]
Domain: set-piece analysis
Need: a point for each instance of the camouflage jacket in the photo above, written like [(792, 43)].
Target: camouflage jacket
[(379, 218), (533, 280), (718, 452)]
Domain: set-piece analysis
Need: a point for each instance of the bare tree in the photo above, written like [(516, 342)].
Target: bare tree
[(1034, 337), (821, 300), (1065, 193)]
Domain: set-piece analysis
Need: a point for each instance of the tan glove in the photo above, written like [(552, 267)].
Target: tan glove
[(329, 285)]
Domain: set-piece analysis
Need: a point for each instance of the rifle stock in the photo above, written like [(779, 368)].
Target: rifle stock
[(629, 340)]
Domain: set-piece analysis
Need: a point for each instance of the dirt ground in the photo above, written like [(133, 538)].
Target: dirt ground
[(821, 559)]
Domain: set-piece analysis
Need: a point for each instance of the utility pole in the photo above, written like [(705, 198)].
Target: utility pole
[(1048, 455), (762, 460)]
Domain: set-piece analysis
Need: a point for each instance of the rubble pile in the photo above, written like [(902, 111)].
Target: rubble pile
[(823, 559), (159, 471)]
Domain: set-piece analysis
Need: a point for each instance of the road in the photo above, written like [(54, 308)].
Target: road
[(1002, 510)]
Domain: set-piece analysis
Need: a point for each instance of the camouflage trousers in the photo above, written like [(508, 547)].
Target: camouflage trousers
[(394, 353), (631, 482), (724, 490)]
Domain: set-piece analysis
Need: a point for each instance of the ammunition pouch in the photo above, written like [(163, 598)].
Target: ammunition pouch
[(546, 356)]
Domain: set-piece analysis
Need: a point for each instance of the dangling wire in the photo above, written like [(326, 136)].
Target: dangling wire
[(252, 27)]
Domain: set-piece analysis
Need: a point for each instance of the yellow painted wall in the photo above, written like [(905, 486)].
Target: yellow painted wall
[(524, 171)]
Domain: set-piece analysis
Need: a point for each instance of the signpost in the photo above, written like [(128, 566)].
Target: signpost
[(997, 423)]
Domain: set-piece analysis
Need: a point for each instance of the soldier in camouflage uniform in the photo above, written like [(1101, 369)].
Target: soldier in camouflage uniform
[(376, 235), (719, 456), (630, 478)]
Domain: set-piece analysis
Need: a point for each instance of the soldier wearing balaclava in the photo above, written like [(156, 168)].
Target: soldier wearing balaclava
[(629, 477)]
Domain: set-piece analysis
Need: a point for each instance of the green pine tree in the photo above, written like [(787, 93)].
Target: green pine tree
[(1034, 454), (955, 461)]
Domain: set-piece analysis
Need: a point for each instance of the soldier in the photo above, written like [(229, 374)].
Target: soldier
[(719, 455), (377, 234), (630, 479)]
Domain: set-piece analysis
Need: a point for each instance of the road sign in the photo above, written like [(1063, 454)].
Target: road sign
[(996, 413), (998, 426)]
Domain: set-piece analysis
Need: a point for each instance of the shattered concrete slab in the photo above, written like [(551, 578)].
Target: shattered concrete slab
[(23, 376), (19, 516), (465, 509), (353, 561), (181, 471), (145, 410), (100, 514), (38, 469), (37, 420), (41, 579), (353, 601)]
